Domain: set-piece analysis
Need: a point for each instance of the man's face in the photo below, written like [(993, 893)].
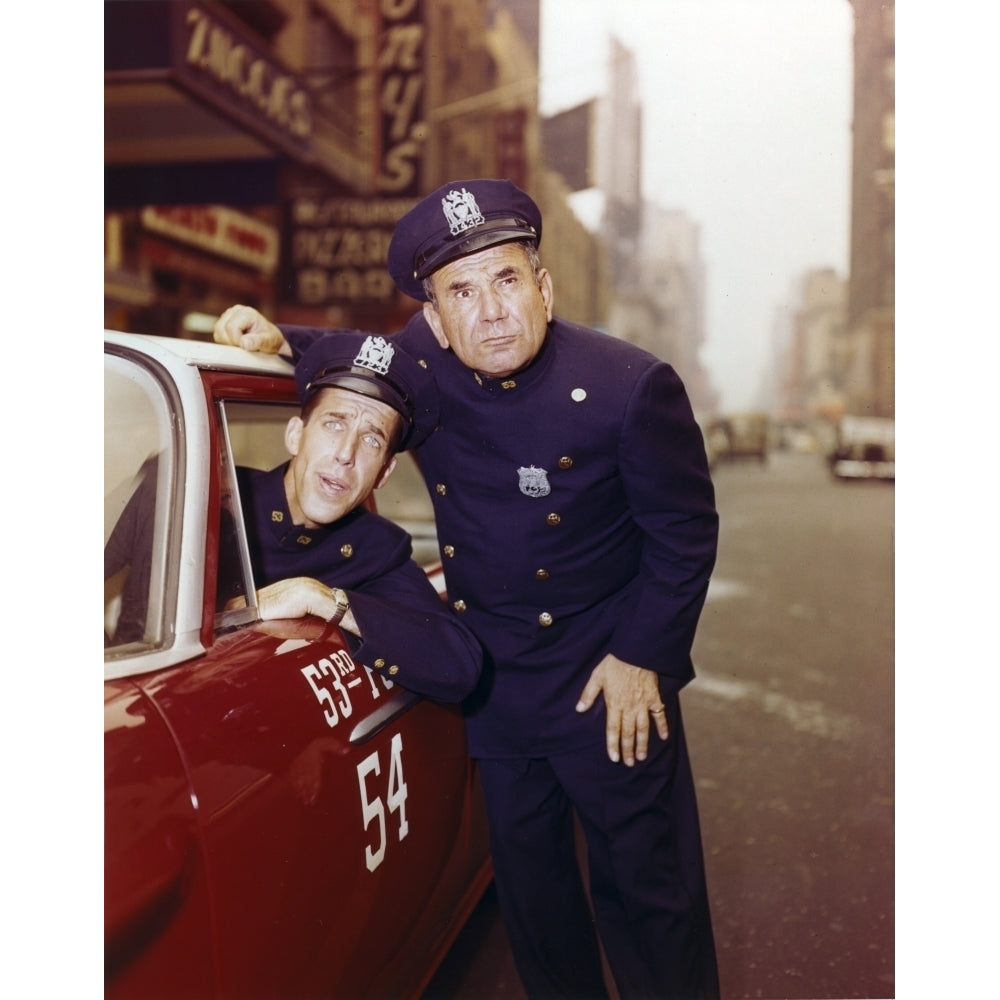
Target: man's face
[(490, 310), (339, 455)]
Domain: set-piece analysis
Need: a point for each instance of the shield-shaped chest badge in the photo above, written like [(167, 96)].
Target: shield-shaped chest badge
[(533, 482)]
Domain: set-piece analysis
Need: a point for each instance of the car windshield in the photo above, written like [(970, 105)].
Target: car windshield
[(139, 464)]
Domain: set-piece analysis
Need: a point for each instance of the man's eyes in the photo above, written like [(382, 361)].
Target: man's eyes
[(505, 281), (370, 438)]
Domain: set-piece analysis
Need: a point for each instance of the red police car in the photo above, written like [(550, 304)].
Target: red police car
[(279, 821)]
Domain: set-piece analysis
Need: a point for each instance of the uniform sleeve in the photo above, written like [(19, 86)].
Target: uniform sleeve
[(670, 493), (410, 636), (415, 336), (301, 338)]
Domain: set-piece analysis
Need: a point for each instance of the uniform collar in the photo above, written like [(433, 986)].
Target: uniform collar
[(288, 535), (523, 379)]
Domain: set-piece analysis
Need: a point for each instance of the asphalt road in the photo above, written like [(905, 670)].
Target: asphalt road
[(790, 724)]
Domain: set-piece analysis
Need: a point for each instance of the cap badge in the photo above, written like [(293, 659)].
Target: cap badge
[(461, 211), (533, 482), (376, 353)]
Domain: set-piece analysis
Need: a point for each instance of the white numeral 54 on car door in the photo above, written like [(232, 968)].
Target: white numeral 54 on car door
[(375, 804)]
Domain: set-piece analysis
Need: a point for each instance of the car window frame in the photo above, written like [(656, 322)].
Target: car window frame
[(228, 619)]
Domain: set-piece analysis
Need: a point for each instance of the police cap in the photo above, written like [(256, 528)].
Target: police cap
[(376, 367), (459, 218)]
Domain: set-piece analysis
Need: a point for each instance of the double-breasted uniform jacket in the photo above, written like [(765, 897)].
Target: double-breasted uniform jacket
[(409, 635), (575, 516)]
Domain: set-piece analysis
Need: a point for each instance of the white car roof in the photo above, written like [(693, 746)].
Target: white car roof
[(202, 354)]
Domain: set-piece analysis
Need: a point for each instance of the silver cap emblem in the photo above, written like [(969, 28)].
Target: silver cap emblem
[(376, 353), (533, 482), (461, 211)]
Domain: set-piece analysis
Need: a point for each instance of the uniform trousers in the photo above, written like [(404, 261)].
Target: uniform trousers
[(644, 857)]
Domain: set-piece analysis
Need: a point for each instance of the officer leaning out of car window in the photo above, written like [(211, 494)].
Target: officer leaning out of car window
[(315, 546)]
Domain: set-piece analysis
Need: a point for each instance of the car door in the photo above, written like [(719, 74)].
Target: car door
[(340, 830)]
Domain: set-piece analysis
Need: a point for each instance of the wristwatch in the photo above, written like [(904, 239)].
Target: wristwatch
[(340, 597)]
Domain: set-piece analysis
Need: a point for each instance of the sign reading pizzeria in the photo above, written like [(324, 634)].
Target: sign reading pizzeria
[(338, 248)]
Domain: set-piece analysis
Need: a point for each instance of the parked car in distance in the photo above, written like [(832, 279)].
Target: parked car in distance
[(865, 448), (280, 822), (736, 436)]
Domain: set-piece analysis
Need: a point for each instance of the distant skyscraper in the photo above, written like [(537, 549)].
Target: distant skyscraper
[(619, 173), (871, 292)]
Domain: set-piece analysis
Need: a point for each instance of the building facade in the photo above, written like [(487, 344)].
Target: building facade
[(811, 350), (261, 151)]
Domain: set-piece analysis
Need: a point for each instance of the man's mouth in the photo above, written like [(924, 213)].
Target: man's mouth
[(500, 340), (332, 486)]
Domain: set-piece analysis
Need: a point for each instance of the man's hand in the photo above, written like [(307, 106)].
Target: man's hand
[(631, 696), (243, 326), (299, 596)]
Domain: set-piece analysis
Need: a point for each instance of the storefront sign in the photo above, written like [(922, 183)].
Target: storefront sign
[(401, 68), (218, 230), (213, 57), (338, 248)]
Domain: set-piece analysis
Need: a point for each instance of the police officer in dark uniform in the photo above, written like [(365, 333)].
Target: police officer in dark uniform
[(578, 531), (317, 549)]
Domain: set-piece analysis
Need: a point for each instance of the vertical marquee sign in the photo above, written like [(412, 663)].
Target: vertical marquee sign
[(337, 246), (401, 76)]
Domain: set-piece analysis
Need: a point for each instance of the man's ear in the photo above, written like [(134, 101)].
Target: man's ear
[(386, 472), (293, 435), (545, 287), (433, 318)]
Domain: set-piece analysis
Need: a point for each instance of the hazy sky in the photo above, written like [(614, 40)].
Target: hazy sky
[(746, 127)]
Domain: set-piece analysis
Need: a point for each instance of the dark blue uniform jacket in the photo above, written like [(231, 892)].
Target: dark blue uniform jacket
[(410, 636), (576, 517)]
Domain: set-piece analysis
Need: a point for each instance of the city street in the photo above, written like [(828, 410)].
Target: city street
[(791, 729)]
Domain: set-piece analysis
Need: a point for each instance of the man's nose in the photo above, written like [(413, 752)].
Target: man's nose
[(346, 449), (492, 306)]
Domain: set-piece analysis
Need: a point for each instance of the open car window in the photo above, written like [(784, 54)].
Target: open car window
[(254, 437)]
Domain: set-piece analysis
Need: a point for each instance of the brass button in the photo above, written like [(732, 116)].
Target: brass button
[(380, 663), (441, 489), (393, 670), (449, 551), (565, 462), (347, 550), (553, 519), (545, 619), (459, 605), (541, 574)]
